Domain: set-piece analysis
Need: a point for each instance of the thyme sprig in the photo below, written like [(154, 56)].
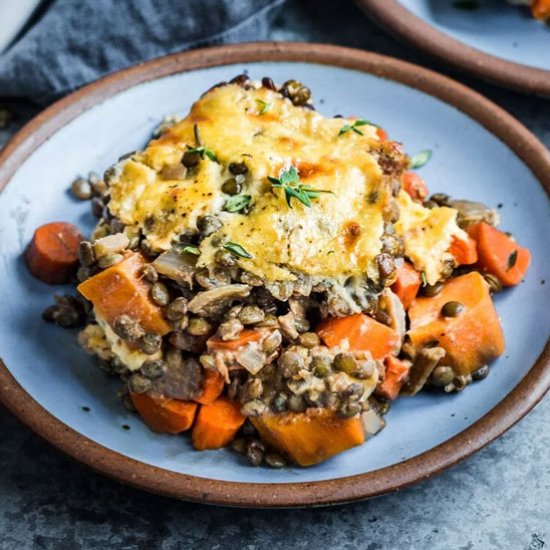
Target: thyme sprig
[(354, 127), (200, 148), (289, 182)]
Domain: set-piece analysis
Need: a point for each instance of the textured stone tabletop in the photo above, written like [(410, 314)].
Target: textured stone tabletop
[(498, 499)]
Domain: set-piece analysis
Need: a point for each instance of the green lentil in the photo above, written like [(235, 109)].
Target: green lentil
[(153, 369), (481, 373), (255, 452), (160, 294), (274, 460), (238, 168), (239, 445), (279, 403), (198, 326), (231, 187), (431, 290), (309, 340), (81, 189), (139, 384), (452, 309), (321, 365), (176, 309), (442, 376), (191, 159), (150, 343), (345, 362)]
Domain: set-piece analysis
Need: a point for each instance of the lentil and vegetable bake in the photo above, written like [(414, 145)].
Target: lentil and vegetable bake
[(266, 277)]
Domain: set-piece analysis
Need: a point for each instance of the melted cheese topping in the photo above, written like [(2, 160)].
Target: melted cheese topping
[(337, 237), (428, 234)]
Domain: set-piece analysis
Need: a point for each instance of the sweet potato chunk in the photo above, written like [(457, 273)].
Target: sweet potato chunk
[(120, 290), (217, 424), (358, 332), (164, 415), (311, 437), (471, 339)]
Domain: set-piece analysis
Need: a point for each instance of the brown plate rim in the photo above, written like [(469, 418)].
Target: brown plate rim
[(511, 409), (396, 18)]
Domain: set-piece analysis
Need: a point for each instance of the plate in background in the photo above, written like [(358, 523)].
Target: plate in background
[(14, 14), (46, 379), (498, 42)]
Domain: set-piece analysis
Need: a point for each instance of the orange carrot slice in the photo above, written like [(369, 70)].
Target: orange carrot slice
[(407, 284), (245, 337), (414, 185), (52, 254), (396, 374), (212, 388)]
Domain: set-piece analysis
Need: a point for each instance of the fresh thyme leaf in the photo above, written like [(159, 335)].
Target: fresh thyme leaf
[(344, 129), (236, 203), (512, 259), (354, 127), (210, 154), (420, 159), (237, 250), (192, 250), (423, 277), (264, 106), (468, 5), (289, 181), (200, 149), (204, 151)]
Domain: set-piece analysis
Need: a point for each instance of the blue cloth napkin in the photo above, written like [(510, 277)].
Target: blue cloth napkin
[(74, 42)]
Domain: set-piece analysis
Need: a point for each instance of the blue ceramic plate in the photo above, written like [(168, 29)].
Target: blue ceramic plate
[(47, 379), (496, 41)]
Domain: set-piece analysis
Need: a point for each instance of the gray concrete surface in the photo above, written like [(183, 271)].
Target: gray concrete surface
[(498, 499)]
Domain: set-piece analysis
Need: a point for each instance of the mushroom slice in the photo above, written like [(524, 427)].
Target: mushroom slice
[(204, 303), (424, 363)]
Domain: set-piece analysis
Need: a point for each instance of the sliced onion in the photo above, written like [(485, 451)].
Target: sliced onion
[(372, 422), (176, 266)]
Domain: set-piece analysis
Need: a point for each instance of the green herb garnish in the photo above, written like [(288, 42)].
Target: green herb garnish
[(512, 259), (192, 250), (289, 181), (237, 250), (200, 148), (204, 151), (264, 106), (423, 278), (468, 5), (237, 203), (420, 159), (354, 127)]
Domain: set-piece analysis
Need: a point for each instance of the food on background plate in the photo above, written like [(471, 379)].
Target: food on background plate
[(540, 9), (271, 279)]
